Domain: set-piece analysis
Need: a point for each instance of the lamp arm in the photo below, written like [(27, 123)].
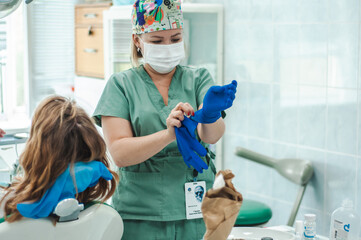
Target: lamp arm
[(262, 159)]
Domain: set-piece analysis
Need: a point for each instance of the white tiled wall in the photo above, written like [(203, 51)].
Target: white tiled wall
[(299, 96)]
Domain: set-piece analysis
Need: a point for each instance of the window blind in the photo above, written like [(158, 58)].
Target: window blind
[(51, 48), (2, 61)]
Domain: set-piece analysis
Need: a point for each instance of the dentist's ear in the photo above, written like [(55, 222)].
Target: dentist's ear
[(136, 40)]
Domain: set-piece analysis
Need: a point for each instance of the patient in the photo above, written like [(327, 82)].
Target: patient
[(61, 135)]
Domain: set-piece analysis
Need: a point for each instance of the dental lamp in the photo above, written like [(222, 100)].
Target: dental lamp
[(9, 6), (298, 171)]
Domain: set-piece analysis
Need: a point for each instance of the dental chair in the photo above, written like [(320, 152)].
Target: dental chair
[(297, 171), (96, 222)]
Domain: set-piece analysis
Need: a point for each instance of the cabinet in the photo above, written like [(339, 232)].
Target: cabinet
[(89, 53)]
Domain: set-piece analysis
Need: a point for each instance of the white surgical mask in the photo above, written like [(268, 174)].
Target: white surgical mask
[(163, 58)]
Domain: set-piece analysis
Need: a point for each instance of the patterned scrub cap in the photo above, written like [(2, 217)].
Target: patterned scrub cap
[(156, 15)]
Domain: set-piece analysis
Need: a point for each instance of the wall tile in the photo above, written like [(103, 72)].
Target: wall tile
[(308, 49), (340, 180), (358, 185), (283, 188), (248, 10), (238, 165), (286, 53), (313, 54), (255, 51), (285, 11), (343, 11), (237, 115), (312, 11), (258, 172), (259, 110), (300, 11), (232, 67), (343, 55), (315, 190), (312, 116), (359, 125), (281, 211), (342, 120), (285, 118)]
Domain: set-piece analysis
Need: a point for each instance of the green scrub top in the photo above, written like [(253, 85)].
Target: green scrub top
[(154, 189)]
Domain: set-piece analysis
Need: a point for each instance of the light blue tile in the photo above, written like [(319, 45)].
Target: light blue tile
[(286, 53), (248, 10), (284, 107), (313, 54), (312, 11), (305, 11), (281, 211), (254, 70), (238, 165), (255, 51), (340, 180), (255, 41), (285, 10), (343, 55), (286, 40), (315, 191), (359, 66), (312, 116), (359, 125), (232, 49), (259, 110), (236, 119), (358, 190), (343, 11), (284, 189), (341, 128), (259, 176)]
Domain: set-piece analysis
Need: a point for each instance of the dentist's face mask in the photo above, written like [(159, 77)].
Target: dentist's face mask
[(163, 58)]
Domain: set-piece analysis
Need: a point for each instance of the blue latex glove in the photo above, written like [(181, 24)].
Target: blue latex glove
[(86, 175), (188, 145), (190, 125), (216, 100)]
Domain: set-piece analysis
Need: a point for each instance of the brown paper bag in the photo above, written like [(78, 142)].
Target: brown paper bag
[(220, 208)]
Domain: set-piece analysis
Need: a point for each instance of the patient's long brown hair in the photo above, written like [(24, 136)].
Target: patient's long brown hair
[(61, 134)]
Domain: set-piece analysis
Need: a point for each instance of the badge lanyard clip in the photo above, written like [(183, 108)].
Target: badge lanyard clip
[(195, 175)]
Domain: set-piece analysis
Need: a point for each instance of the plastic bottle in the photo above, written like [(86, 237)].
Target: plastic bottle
[(309, 224), (299, 229), (345, 223)]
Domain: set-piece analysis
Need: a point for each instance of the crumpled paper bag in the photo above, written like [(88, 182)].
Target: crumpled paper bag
[(220, 207)]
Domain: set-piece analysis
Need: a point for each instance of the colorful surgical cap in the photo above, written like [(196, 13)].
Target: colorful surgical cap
[(156, 15)]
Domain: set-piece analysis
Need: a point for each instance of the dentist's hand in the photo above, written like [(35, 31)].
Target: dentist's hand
[(217, 99), (2, 133), (176, 116)]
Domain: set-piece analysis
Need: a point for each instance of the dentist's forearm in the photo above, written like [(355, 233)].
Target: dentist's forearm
[(211, 133), (134, 150)]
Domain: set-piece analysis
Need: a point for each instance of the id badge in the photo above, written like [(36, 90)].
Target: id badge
[(194, 193)]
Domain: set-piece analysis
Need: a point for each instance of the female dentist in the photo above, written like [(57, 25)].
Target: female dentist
[(138, 111)]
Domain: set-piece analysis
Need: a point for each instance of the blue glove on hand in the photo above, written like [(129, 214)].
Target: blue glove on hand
[(87, 174), (217, 99), (188, 145), (190, 125)]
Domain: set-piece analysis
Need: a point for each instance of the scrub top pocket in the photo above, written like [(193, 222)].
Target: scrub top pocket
[(139, 194)]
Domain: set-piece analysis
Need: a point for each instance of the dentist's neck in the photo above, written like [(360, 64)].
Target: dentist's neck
[(156, 76)]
